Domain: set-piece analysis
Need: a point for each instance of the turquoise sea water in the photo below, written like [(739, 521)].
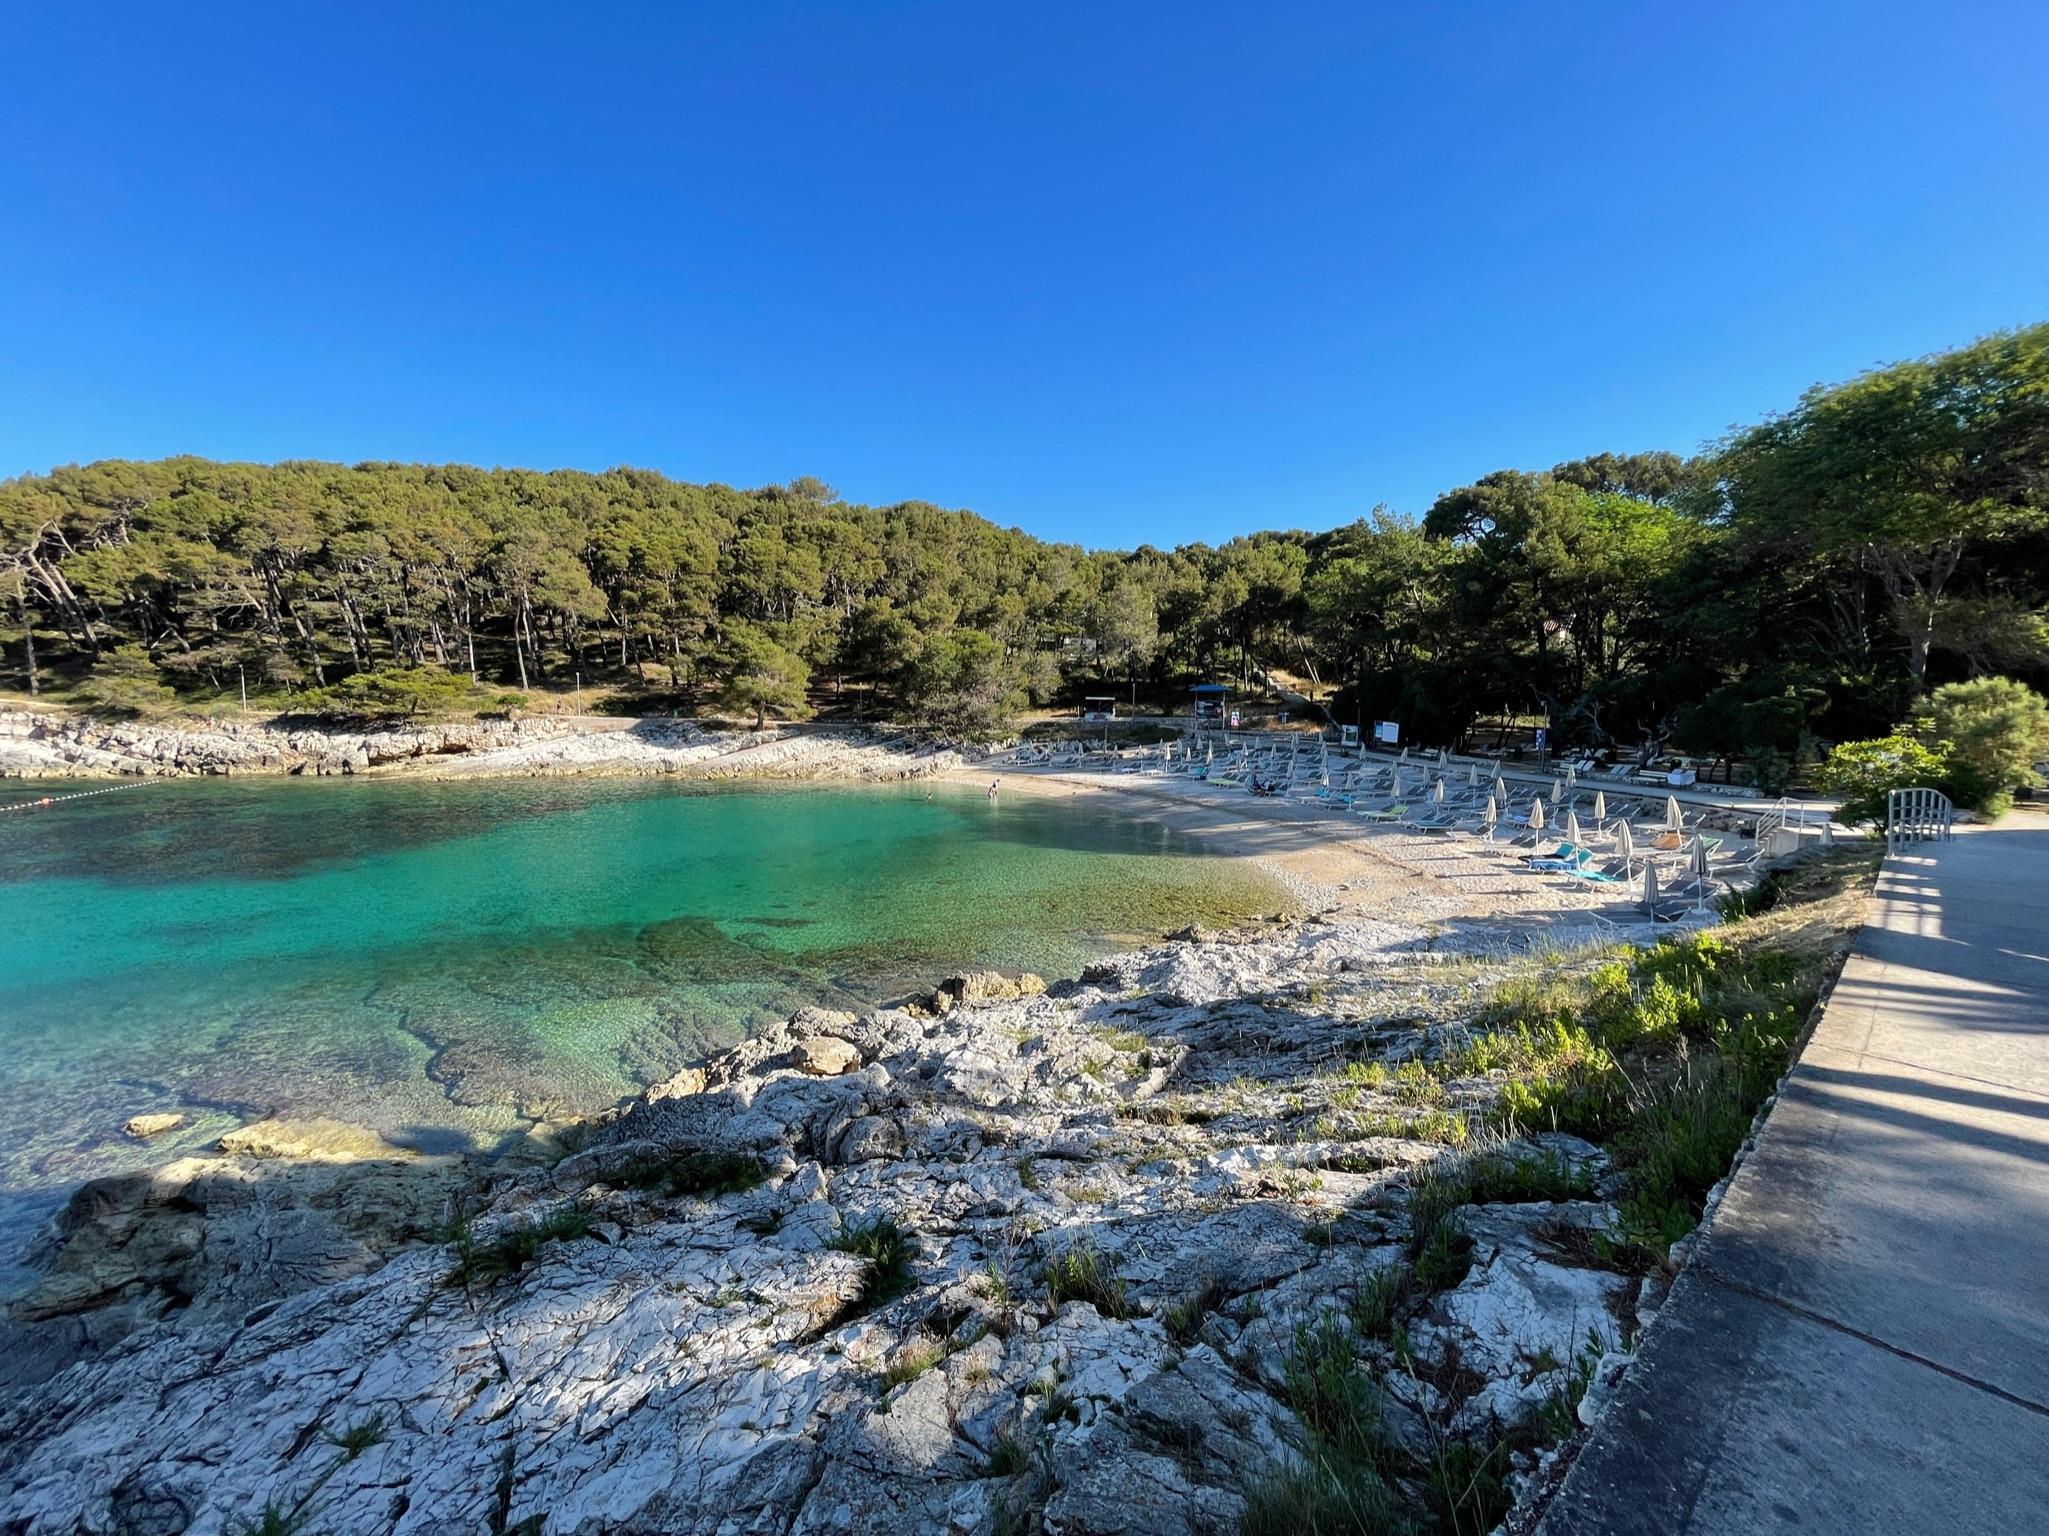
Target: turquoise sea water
[(448, 962)]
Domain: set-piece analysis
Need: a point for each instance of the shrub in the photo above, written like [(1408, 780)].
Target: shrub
[(1995, 729), (1862, 773), (391, 693), (1771, 771), (125, 682)]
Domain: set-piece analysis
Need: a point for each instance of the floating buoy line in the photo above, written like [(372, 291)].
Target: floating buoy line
[(83, 794)]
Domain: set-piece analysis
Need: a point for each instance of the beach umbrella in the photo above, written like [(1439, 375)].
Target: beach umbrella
[(1437, 793), (1697, 866), (1472, 775), (1401, 756), (1537, 813), (1489, 814), (1571, 774), (1600, 809), (1557, 790), (1394, 781), (1497, 770), (1671, 813), (1573, 835), (1625, 845), (1650, 889), (1443, 757), (1325, 776), (1209, 754)]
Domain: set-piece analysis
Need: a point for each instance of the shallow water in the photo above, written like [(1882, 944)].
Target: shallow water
[(446, 962)]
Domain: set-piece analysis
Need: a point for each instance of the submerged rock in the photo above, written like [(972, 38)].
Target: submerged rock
[(327, 1141), (142, 1127)]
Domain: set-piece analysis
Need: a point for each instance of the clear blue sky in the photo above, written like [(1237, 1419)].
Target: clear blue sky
[(1111, 272)]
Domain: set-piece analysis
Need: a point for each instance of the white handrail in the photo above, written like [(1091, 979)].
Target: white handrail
[(1917, 815)]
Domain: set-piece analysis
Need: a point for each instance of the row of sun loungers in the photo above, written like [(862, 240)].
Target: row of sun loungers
[(1621, 840)]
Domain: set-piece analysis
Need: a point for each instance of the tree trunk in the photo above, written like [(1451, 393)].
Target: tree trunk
[(28, 640)]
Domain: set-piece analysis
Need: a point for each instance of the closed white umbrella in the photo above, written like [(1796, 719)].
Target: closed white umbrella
[(1497, 770), (1625, 846), (1443, 758), (1697, 866), (1557, 790), (1489, 814), (1600, 809), (1437, 793), (1571, 774), (1209, 754), (1650, 889), (1325, 776), (1402, 756), (1573, 835), (1472, 775), (1671, 813), (1537, 814)]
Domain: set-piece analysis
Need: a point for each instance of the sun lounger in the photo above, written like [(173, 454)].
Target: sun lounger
[(1434, 819)]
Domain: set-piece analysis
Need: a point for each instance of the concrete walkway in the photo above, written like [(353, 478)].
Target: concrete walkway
[(1862, 1343)]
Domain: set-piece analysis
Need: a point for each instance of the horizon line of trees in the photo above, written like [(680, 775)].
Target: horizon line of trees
[(1802, 580)]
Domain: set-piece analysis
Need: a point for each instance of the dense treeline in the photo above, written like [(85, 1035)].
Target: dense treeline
[(1808, 578)]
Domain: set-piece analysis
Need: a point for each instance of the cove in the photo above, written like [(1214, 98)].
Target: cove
[(448, 962)]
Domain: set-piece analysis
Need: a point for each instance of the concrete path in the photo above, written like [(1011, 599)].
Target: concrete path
[(1862, 1343)]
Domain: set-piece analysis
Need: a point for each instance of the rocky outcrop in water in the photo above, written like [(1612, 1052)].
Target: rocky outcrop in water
[(1006, 1256)]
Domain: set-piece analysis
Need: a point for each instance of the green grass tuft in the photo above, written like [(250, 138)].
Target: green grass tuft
[(514, 1248), (1084, 1274), (705, 1174), (359, 1437), (888, 1250)]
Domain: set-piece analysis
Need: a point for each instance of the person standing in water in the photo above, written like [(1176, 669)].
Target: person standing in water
[(992, 788)]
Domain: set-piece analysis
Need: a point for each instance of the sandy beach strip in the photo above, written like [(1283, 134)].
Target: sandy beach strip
[(1332, 861)]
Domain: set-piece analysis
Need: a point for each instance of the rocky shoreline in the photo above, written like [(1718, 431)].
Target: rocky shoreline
[(47, 745), (1011, 1258)]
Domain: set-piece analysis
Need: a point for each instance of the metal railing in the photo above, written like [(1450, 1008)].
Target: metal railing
[(1800, 817), (1917, 816)]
